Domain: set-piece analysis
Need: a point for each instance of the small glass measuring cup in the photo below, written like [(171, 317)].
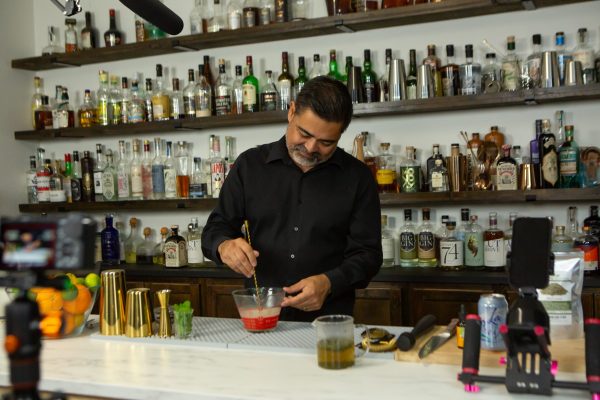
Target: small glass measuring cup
[(335, 341)]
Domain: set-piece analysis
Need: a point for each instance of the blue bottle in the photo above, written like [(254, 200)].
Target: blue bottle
[(110, 243)]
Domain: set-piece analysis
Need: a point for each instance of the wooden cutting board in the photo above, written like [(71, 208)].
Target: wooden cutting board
[(569, 353)]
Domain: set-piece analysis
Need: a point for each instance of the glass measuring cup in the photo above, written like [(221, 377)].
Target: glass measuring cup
[(335, 341)]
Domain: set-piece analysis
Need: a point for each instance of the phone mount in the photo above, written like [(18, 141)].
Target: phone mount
[(526, 334)]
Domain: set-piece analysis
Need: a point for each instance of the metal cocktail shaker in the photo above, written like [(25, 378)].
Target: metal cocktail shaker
[(112, 302), (397, 81)]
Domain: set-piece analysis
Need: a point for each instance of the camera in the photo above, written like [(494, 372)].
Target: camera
[(48, 243)]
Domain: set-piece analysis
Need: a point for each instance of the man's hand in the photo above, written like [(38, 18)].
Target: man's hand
[(239, 256), (308, 294)]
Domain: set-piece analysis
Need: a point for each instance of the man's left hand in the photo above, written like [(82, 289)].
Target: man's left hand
[(308, 294)]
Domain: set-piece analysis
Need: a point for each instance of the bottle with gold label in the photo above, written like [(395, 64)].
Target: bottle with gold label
[(386, 170), (175, 249), (410, 172), (506, 171), (102, 96), (161, 103), (159, 250)]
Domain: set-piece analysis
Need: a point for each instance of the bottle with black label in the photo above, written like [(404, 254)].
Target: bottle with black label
[(369, 79), (593, 222), (87, 177), (548, 157), (76, 186)]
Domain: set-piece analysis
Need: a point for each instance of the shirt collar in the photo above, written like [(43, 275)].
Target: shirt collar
[(279, 151)]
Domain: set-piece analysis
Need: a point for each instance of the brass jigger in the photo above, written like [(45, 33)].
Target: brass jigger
[(164, 328)]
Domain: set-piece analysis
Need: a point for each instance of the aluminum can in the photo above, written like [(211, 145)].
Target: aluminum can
[(492, 309)]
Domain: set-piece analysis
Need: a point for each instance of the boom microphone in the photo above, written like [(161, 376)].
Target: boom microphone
[(157, 14)]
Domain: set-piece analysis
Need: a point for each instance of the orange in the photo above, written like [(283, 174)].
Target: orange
[(48, 299), (70, 323), (81, 303), (50, 325)]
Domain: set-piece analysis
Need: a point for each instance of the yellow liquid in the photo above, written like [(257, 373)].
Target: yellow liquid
[(336, 353)]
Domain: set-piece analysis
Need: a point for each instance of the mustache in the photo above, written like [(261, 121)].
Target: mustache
[(301, 149)]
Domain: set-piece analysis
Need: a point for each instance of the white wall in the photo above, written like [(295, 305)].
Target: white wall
[(420, 130)]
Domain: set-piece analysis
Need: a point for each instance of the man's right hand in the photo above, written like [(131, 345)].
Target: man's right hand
[(239, 256)]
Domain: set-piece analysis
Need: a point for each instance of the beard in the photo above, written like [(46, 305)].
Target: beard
[(302, 157)]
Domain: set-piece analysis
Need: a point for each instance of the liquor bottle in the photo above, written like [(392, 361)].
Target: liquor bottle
[(474, 245), (87, 177), (133, 241), (369, 157), (120, 227), (434, 62), (386, 170), (198, 17), (561, 241), (125, 101), (438, 177), (439, 234), (30, 180), (450, 75), (67, 176), (55, 104), (42, 178), (585, 54), (369, 79), (410, 172), (384, 80), (317, 68), (250, 89), (182, 162), (145, 251), (588, 243), (160, 98), (408, 242), (71, 45), (229, 154), (301, 80), (43, 115), (426, 242), (114, 102), (207, 71), (170, 174), (496, 137), (218, 20), (99, 167), (112, 37), (387, 243), (268, 94), (158, 172), (203, 94), (57, 193), (494, 255), (562, 55), (469, 74), (568, 155), (510, 67), (87, 112), (194, 245), (572, 223), (110, 243), (217, 165), (123, 171), (175, 249), (515, 153), (222, 92), (451, 250), (234, 14), (531, 69), (507, 171), (333, 66), (461, 230), (36, 99), (430, 163), (237, 91), (88, 33), (189, 96), (135, 168), (285, 84), (109, 178), (137, 107), (76, 179), (65, 114), (347, 67), (560, 128), (548, 157), (197, 184), (592, 222), (251, 13), (490, 75), (508, 234), (176, 105), (148, 101), (53, 46), (141, 34), (159, 249), (281, 11), (147, 172)]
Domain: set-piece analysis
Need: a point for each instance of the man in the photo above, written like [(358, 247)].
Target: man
[(312, 209)]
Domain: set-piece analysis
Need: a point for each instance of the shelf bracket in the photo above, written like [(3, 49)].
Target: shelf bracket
[(529, 4), (344, 28), (530, 101), (176, 44), (530, 197)]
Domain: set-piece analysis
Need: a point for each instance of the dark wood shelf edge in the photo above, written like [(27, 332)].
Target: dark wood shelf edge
[(139, 205)]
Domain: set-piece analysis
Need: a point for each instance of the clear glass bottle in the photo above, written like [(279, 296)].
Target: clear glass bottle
[(268, 94), (125, 101), (147, 172), (301, 80), (175, 249), (115, 98), (469, 74), (55, 103), (189, 96), (36, 99), (588, 243), (203, 94), (568, 155), (474, 245), (223, 89), (561, 241), (490, 75), (317, 67), (426, 242), (53, 46), (99, 167), (230, 155), (585, 54), (285, 84), (158, 171), (218, 21), (494, 254), (237, 91), (57, 193), (531, 69), (176, 98), (197, 183), (133, 241), (434, 62), (451, 250), (217, 165), (234, 14), (267, 12), (76, 179), (120, 226), (369, 79), (439, 234), (87, 111), (408, 242), (170, 173), (148, 101), (509, 232), (450, 74), (71, 45), (145, 251), (110, 243), (137, 186), (109, 179), (572, 223), (507, 171), (160, 99), (31, 181), (510, 67), (123, 174), (562, 55), (159, 248), (387, 243), (199, 17), (384, 80), (386, 170), (410, 172), (64, 113), (182, 161), (112, 37), (462, 229), (194, 244), (136, 111), (438, 177), (88, 33), (515, 153)]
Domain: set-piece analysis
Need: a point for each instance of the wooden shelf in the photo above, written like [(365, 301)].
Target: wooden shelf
[(387, 200), (404, 107), (421, 13)]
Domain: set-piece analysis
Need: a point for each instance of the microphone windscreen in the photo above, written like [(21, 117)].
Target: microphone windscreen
[(157, 14)]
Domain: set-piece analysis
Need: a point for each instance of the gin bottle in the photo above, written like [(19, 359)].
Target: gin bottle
[(438, 178), (189, 96), (490, 75), (410, 172), (147, 172), (237, 91), (123, 174), (176, 105), (170, 174), (137, 107), (434, 62), (561, 241), (110, 243), (572, 223), (197, 183), (109, 178), (408, 242), (203, 95), (451, 249), (426, 242), (369, 79), (317, 67), (562, 55), (548, 157), (158, 171), (217, 166), (469, 74), (508, 234), (194, 245), (532, 67), (474, 245), (387, 243), (99, 167), (494, 254), (268, 94), (461, 230), (506, 171), (137, 183), (510, 67), (175, 249), (411, 79), (585, 54), (450, 74), (384, 80), (568, 155), (76, 179)]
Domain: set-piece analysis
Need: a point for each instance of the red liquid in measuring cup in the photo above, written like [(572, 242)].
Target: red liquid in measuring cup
[(257, 320)]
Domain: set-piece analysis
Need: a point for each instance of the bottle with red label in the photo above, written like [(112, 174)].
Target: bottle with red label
[(589, 245)]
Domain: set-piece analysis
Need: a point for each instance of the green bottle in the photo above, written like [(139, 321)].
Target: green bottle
[(369, 79), (347, 68), (333, 67), (250, 89), (302, 78), (568, 156)]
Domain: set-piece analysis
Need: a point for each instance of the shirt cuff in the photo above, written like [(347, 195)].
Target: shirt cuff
[(215, 249), (336, 278)]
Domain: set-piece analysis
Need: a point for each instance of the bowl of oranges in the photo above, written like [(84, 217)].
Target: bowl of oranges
[(63, 313)]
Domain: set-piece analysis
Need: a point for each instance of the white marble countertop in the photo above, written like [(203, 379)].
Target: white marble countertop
[(130, 369)]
